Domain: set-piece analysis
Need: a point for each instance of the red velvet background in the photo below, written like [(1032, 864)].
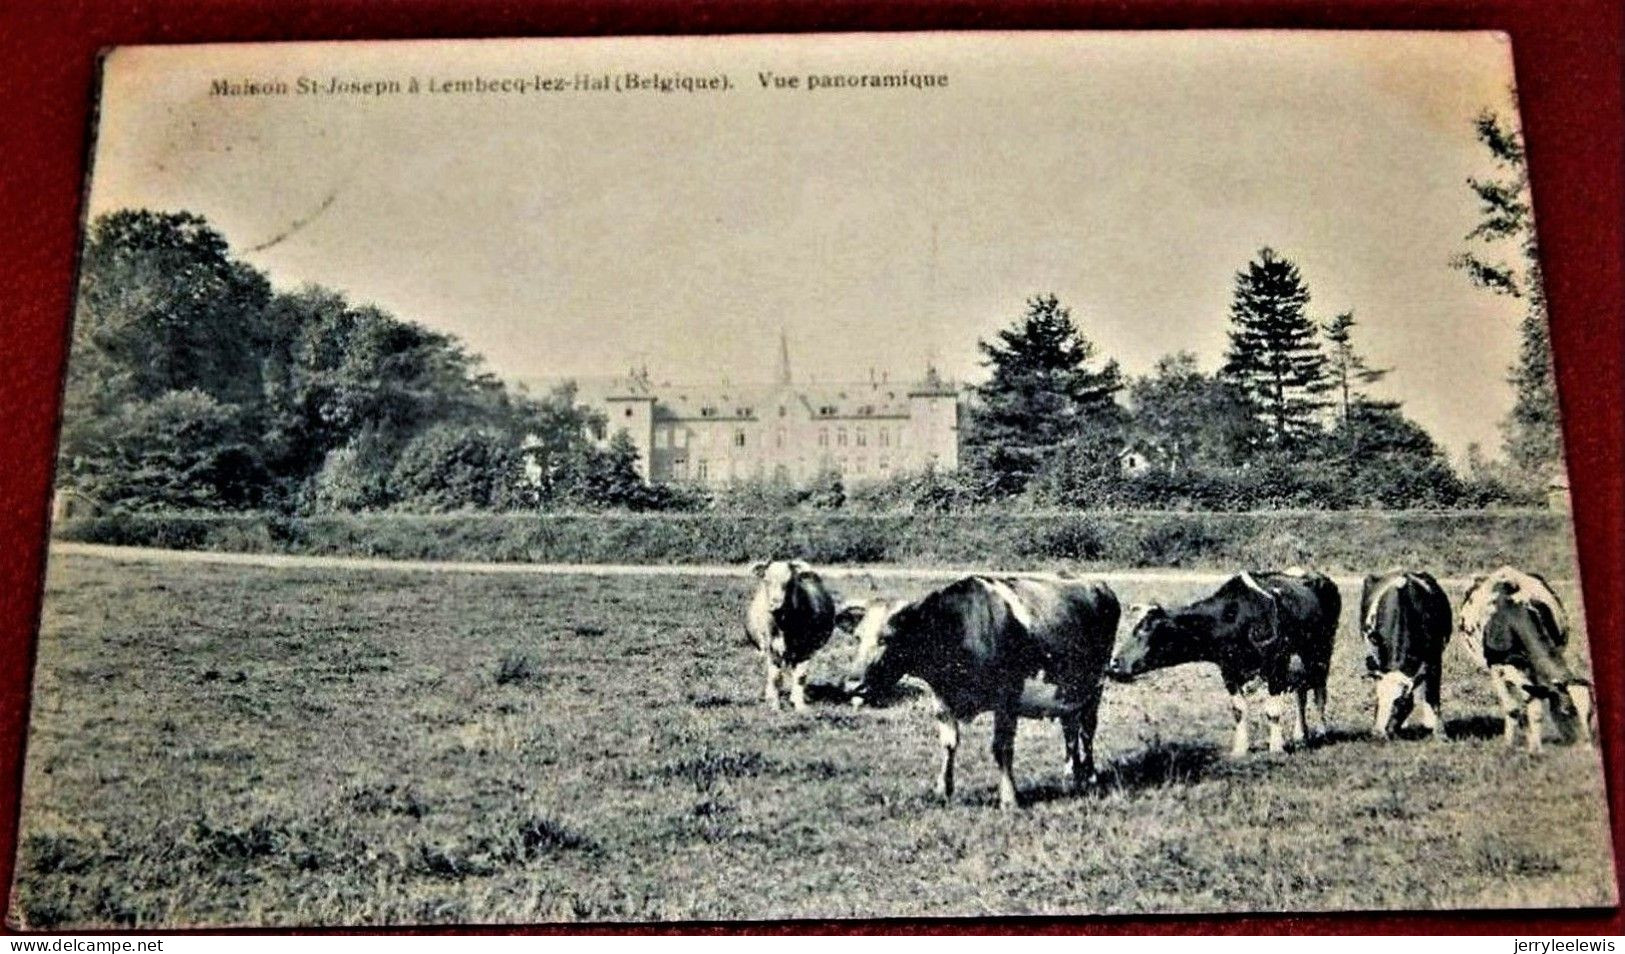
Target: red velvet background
[(1569, 74)]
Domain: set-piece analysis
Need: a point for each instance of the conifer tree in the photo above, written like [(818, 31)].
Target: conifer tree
[(1041, 394), (1349, 373), (615, 481), (1275, 355), (1531, 435)]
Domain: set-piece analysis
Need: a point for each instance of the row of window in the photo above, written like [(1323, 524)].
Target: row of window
[(884, 437), (860, 437), (704, 469), (824, 410)]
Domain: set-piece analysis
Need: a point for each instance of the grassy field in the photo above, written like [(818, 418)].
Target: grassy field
[(220, 745)]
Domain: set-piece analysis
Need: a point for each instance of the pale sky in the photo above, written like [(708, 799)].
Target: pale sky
[(580, 233)]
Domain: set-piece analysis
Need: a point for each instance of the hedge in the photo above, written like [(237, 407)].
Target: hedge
[(1340, 541)]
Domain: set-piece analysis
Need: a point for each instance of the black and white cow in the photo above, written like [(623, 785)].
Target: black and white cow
[(789, 618), (1274, 627), (1515, 625), (1406, 621), (1016, 646)]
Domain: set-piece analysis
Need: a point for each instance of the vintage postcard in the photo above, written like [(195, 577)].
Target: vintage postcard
[(760, 478)]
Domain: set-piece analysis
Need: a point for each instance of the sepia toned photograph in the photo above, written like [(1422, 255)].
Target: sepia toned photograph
[(765, 478)]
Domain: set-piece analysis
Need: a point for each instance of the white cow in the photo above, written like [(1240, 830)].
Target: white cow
[(1516, 627), (790, 617)]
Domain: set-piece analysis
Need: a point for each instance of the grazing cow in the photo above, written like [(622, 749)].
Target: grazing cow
[(1516, 626), (790, 616), (1019, 646), (1274, 627), (1405, 618)]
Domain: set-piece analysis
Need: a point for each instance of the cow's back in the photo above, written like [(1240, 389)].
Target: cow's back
[(1071, 624), (1311, 605), (808, 619), (1438, 619), (1495, 638), (1406, 620), (1527, 636)]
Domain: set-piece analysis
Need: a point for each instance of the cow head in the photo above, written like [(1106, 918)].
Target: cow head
[(1149, 641), (1395, 698), (1240, 610), (777, 577), (1392, 687), (1576, 713), (878, 665)]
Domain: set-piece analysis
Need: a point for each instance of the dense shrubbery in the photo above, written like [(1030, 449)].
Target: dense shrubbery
[(1377, 482), (195, 384), (450, 468), (178, 449), (1447, 541)]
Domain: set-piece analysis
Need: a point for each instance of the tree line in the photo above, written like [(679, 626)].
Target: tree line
[(1287, 419), (195, 385)]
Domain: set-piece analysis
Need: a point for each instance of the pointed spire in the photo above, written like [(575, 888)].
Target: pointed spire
[(784, 358)]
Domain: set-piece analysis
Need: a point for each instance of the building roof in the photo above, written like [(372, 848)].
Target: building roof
[(809, 401), (835, 400), (854, 400)]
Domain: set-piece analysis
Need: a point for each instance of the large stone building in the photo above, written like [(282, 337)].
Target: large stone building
[(784, 431)]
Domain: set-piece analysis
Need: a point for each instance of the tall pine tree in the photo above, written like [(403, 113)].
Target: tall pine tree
[(1531, 435), (1274, 353), (1349, 374), (1041, 395)]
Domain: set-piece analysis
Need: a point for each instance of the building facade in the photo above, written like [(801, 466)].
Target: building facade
[(786, 432)]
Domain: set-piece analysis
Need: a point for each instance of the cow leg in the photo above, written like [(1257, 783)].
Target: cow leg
[(771, 694), (1078, 731), (1319, 693), (1300, 721), (1533, 723), (1241, 743), (1074, 764), (1004, 753), (1510, 707), (1580, 694), (798, 687), (1427, 706), (1275, 711), (1429, 717), (1088, 721), (948, 735)]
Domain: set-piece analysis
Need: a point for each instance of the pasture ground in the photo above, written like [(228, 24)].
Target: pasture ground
[(217, 745)]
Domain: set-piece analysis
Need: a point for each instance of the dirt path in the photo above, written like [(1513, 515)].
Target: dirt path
[(296, 562)]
